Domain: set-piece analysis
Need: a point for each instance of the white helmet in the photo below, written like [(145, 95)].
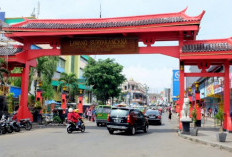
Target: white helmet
[(70, 110)]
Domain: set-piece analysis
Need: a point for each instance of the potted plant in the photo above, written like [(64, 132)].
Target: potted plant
[(194, 130), (221, 136)]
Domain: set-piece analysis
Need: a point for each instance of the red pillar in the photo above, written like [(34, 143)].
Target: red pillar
[(181, 98), (80, 104), (198, 107), (23, 111), (227, 119), (39, 98), (63, 101)]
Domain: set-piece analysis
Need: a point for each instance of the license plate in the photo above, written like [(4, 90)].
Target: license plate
[(117, 120)]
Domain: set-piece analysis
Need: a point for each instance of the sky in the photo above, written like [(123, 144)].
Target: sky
[(154, 70)]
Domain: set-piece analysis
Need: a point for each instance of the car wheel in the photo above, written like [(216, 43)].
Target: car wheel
[(160, 123), (111, 131), (98, 124), (146, 129), (133, 130)]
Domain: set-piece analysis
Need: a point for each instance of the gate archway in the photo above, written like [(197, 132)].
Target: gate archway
[(121, 36)]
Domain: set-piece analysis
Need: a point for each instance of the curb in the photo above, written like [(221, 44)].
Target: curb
[(213, 144)]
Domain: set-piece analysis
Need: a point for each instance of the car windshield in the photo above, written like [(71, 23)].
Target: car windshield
[(119, 113), (103, 110), (106, 110), (152, 112)]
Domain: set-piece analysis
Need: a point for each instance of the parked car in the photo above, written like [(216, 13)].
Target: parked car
[(102, 112), (128, 120), (154, 116)]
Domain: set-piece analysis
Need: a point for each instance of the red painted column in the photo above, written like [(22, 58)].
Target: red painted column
[(227, 119), (198, 107), (80, 104), (23, 111), (39, 98), (63, 101), (181, 98)]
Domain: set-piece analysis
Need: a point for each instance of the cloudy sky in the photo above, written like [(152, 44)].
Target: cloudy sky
[(153, 70)]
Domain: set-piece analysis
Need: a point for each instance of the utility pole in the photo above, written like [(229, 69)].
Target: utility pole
[(100, 9)]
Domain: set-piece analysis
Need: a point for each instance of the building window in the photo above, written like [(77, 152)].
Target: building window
[(125, 87), (133, 87), (81, 73), (72, 64), (61, 63)]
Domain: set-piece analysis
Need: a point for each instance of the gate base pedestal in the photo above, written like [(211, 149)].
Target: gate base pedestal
[(24, 114), (186, 127)]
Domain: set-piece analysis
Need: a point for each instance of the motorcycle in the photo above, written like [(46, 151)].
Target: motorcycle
[(25, 123), (5, 127), (15, 126), (72, 126)]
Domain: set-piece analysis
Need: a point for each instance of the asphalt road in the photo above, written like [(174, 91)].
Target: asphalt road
[(160, 141)]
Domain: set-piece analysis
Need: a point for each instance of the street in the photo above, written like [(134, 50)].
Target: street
[(96, 141)]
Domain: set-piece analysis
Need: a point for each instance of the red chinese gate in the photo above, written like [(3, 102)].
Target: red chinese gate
[(121, 36)]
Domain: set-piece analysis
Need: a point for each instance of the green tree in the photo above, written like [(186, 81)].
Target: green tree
[(106, 78), (3, 70), (46, 66), (48, 91), (16, 81), (70, 81)]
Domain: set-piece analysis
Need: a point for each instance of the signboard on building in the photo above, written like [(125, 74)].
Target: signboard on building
[(209, 90), (217, 88), (99, 45), (175, 84), (2, 16)]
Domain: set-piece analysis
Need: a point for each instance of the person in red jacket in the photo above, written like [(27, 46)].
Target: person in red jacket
[(71, 116), (77, 117)]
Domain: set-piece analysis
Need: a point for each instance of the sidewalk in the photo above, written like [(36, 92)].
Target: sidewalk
[(207, 135)]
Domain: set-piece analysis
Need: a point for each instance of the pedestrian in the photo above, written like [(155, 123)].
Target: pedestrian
[(89, 113), (86, 111), (94, 114), (203, 114), (169, 114)]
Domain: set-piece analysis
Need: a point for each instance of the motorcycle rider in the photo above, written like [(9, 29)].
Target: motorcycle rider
[(77, 116), (73, 116)]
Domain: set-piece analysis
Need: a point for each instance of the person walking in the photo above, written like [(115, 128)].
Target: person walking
[(169, 114), (89, 113), (203, 114)]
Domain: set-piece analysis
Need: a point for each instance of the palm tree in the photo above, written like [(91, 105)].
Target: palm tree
[(70, 81)]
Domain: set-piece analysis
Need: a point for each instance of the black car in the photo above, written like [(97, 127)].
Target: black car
[(128, 120), (154, 116)]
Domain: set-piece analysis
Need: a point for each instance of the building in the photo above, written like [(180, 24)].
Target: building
[(136, 93), (212, 90)]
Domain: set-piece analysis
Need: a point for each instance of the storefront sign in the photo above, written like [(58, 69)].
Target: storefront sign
[(216, 88), (176, 80), (99, 45), (209, 90)]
